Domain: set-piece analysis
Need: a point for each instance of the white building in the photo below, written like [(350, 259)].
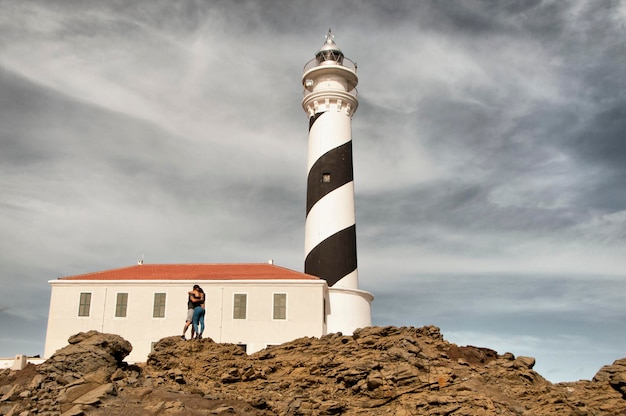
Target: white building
[(253, 305)]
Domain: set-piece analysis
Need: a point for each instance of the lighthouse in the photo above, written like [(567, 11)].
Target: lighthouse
[(330, 101)]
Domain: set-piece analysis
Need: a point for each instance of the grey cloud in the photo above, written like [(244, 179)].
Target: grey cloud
[(602, 140), (457, 207)]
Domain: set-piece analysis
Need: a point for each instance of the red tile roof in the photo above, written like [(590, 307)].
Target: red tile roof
[(261, 271)]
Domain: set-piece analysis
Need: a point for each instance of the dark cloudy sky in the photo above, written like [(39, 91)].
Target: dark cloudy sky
[(489, 146)]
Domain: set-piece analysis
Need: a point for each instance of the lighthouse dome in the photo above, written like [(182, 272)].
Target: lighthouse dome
[(329, 53)]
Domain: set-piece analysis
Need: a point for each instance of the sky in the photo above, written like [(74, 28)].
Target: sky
[(489, 147)]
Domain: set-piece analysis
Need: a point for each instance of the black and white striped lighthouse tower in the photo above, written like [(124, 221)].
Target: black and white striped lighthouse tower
[(330, 101)]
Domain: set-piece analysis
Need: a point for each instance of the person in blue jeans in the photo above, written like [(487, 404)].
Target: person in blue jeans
[(193, 301), (198, 312)]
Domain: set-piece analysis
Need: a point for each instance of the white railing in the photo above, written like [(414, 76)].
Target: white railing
[(344, 62)]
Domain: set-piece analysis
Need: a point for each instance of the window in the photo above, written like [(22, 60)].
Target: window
[(159, 305), (121, 304), (84, 304), (239, 306), (280, 306), (326, 177)]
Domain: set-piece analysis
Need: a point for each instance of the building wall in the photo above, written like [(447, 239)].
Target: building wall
[(304, 313), (349, 309)]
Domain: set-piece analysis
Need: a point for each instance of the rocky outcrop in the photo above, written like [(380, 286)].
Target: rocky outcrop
[(615, 375), (77, 378), (88, 353), (378, 370)]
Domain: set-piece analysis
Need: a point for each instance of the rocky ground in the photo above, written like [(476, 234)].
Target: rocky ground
[(376, 371)]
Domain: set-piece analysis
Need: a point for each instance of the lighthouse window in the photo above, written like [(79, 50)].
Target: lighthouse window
[(326, 177)]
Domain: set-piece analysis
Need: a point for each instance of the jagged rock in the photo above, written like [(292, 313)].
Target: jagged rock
[(525, 362), (614, 374), (378, 370), (11, 394), (471, 354), (77, 410), (88, 353)]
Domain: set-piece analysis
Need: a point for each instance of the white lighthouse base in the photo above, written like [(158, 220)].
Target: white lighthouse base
[(350, 309)]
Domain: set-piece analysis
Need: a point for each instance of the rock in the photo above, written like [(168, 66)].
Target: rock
[(525, 362), (74, 411), (10, 411), (94, 396), (614, 374), (222, 410), (75, 391), (471, 355), (36, 382), (138, 394), (11, 394), (87, 353), (379, 370)]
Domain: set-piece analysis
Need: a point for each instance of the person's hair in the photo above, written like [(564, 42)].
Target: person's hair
[(200, 289), (196, 287)]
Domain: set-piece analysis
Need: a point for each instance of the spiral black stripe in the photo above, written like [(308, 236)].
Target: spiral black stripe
[(337, 163), (333, 258), (313, 118)]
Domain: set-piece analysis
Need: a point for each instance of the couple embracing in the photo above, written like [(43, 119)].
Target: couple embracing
[(195, 312)]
